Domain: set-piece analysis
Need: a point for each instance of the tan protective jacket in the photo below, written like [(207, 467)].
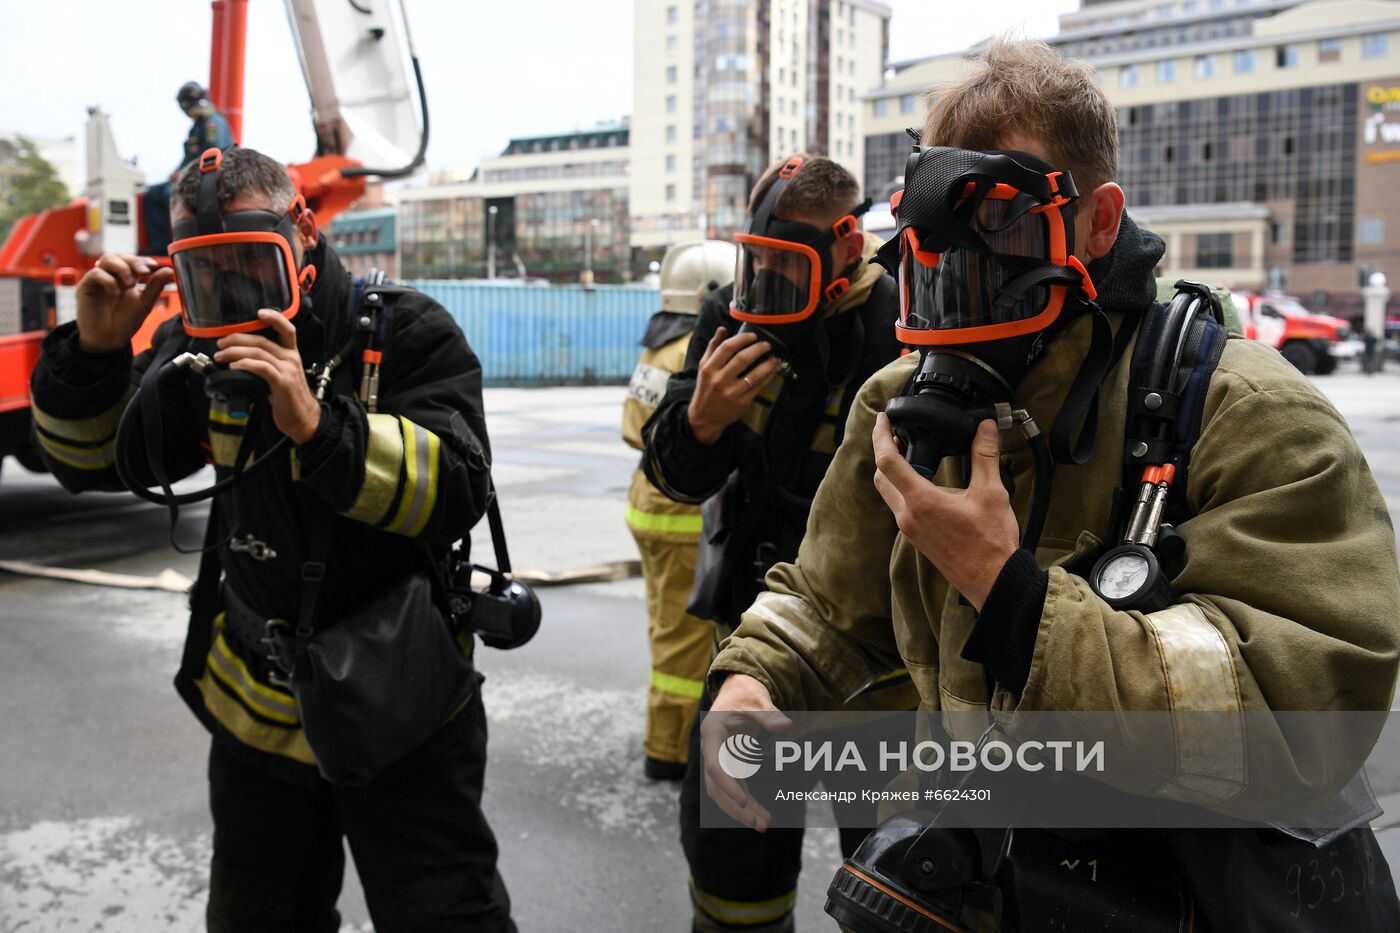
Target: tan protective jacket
[(650, 514), (1289, 599)]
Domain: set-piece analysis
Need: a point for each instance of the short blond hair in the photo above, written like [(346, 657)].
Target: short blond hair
[(1020, 86), (820, 189)]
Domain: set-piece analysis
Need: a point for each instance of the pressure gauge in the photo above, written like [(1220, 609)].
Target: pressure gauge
[(1129, 577)]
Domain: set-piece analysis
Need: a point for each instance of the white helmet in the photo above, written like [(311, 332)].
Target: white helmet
[(692, 270)]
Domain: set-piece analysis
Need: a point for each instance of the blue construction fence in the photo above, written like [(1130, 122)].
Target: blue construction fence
[(528, 335)]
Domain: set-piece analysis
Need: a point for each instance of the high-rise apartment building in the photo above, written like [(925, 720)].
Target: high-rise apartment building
[(1260, 138), (724, 87)]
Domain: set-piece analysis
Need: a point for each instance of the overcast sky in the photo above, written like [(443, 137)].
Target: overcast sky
[(492, 70)]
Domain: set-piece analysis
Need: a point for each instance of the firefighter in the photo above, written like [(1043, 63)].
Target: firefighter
[(668, 532), (399, 483), (748, 427), (208, 128), (1016, 255)]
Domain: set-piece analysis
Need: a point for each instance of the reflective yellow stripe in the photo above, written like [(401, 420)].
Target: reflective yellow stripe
[(260, 698), (383, 463), (896, 674), (420, 456), (96, 429), (743, 913), (79, 458), (275, 740), (671, 524), (680, 686)]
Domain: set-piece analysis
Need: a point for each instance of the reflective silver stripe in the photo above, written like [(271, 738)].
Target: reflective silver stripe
[(102, 427), (1200, 675), (79, 458), (383, 464), (421, 449), (259, 697)]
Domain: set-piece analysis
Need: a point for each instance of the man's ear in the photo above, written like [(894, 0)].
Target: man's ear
[(306, 229), (1105, 206), (849, 249)]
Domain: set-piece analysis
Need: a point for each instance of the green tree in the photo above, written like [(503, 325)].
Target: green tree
[(31, 185)]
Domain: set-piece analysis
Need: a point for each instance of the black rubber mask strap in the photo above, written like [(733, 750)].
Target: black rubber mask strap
[(1082, 403)]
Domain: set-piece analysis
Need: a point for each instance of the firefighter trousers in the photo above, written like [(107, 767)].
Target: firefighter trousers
[(741, 879), (424, 852), (681, 645)]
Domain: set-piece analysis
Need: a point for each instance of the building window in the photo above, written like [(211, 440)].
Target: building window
[(1278, 233), (1166, 71), (1205, 67), (1244, 62), (670, 192), (671, 45), (1128, 76), (1215, 250), (1329, 50), (882, 107), (1286, 56), (672, 15), (906, 103), (670, 163), (670, 103), (1376, 45), (670, 74), (670, 134), (1370, 231)]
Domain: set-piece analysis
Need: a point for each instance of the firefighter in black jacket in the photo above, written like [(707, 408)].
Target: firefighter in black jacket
[(407, 479), (749, 428)]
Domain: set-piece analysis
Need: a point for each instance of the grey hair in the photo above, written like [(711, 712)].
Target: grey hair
[(243, 171)]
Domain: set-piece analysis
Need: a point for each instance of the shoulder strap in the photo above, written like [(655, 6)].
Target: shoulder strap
[(1176, 355)]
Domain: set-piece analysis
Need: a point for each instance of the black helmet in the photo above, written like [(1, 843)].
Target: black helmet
[(190, 94)]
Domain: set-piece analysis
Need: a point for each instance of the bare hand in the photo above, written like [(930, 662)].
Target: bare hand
[(742, 705), (725, 388), (294, 409), (113, 301), (968, 534)]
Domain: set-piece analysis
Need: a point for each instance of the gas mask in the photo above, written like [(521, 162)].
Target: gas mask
[(228, 267), (984, 257), (783, 273)]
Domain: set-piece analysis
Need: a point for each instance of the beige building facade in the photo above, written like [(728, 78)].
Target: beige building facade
[(1260, 138)]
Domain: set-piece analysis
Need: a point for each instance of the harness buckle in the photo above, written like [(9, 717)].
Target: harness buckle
[(278, 640)]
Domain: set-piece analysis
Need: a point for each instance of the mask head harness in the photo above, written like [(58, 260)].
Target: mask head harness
[(230, 265), (784, 267), (984, 246)]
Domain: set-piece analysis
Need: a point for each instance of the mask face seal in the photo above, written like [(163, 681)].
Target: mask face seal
[(229, 266), (783, 273), (984, 247)]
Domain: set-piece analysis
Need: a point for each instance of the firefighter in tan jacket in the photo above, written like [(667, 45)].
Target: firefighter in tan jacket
[(668, 532), (1289, 596)]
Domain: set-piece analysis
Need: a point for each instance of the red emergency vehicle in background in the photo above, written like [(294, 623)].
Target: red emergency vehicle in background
[(368, 109), (1314, 343)]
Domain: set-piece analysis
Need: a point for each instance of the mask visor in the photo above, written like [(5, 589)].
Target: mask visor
[(952, 296), (776, 281), (225, 279)]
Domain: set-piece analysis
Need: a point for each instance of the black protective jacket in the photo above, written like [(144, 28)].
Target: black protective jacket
[(760, 476), (400, 485)]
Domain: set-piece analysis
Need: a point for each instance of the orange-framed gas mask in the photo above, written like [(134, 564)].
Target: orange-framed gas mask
[(229, 266), (984, 246), (783, 269)]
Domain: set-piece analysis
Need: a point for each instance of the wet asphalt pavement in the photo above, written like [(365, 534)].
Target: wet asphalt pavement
[(103, 819)]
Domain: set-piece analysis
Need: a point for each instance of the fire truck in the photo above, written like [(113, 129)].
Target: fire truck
[(370, 117)]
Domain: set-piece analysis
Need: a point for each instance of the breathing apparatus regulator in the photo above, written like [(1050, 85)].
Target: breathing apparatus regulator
[(984, 257), (784, 271)]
